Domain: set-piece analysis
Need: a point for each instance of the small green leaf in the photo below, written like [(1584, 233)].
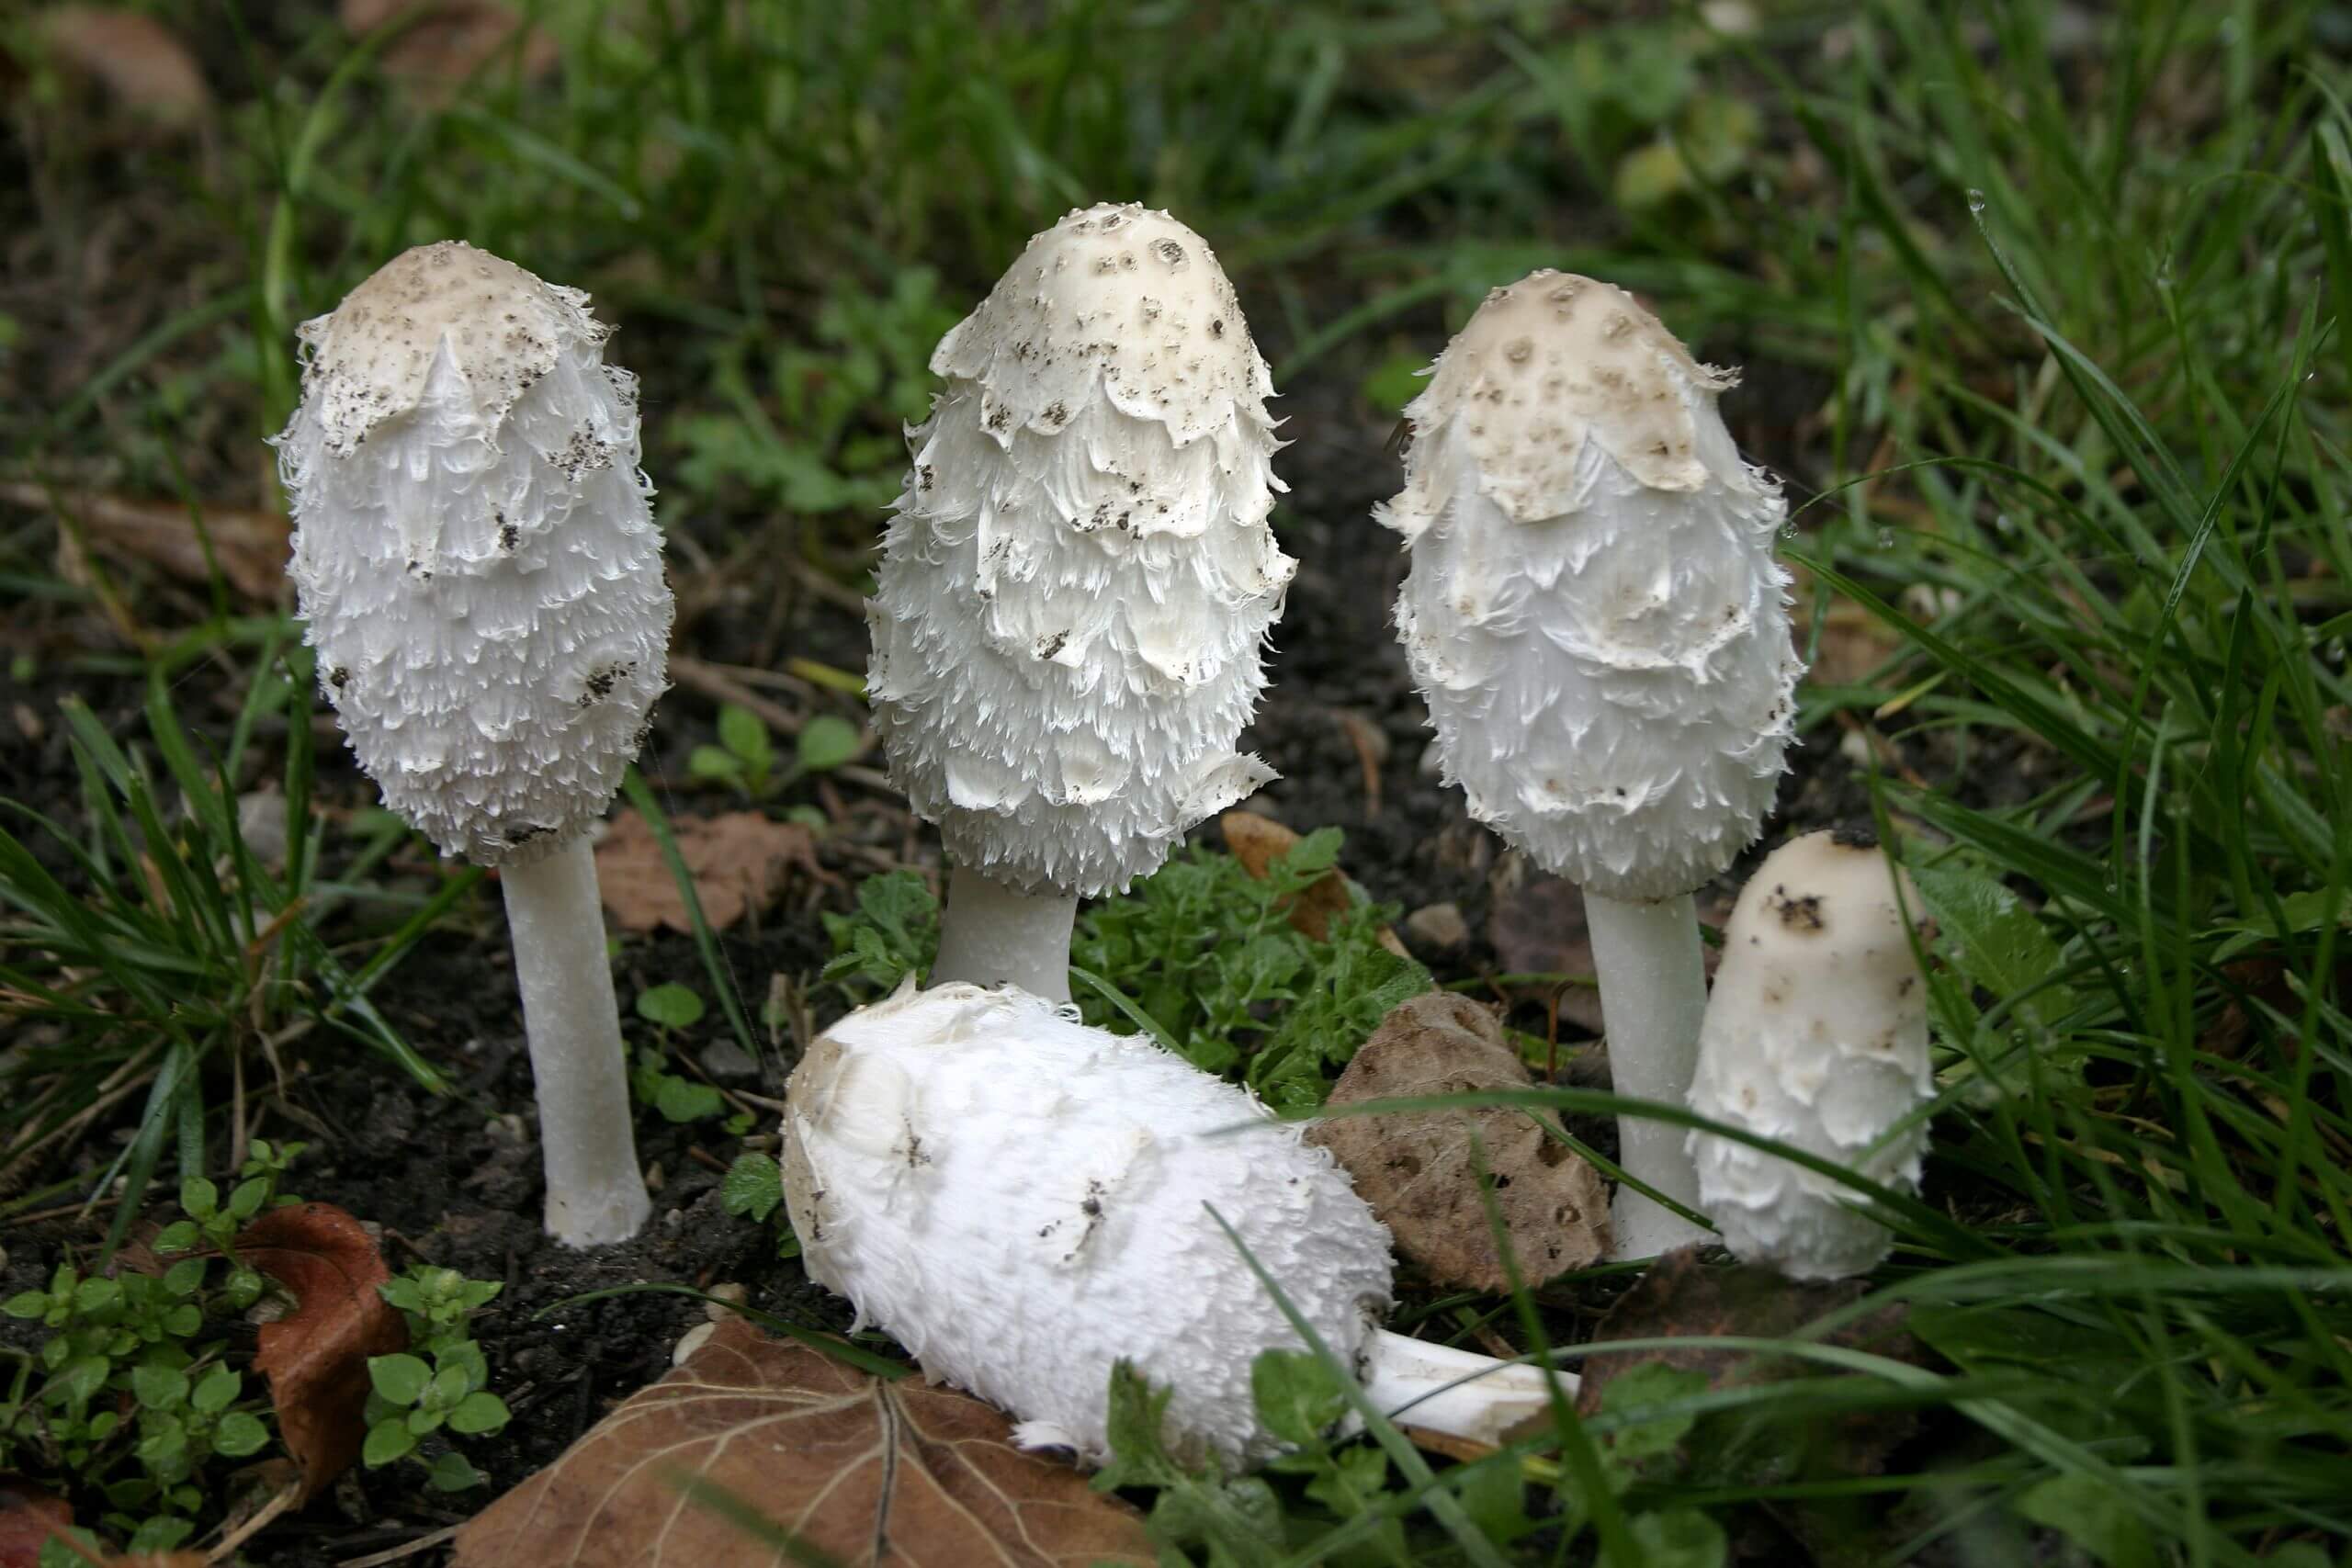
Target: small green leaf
[(158, 1388), (239, 1434), (30, 1304), (680, 1099), (478, 1414), (453, 1471), (741, 731), (825, 742), (216, 1391), (1297, 1393), (672, 1006), (96, 1295), (177, 1236), (448, 1386), (185, 1278), (400, 1378), (247, 1198), (755, 1186), (242, 1288), (404, 1293), (711, 765), (200, 1198), (2088, 1514), (387, 1441)]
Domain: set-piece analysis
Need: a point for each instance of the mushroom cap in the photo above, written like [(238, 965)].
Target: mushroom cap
[(1593, 610), (474, 555), (1815, 1035), (1076, 585), (1119, 301), (1023, 1202)]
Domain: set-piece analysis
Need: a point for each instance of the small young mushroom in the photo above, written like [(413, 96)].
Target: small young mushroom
[(1596, 619), (1023, 1202), (1077, 586), (480, 576), (1817, 1036)]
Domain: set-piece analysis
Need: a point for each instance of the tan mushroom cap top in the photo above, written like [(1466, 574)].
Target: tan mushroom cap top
[(1554, 361), (371, 356), (1118, 290)]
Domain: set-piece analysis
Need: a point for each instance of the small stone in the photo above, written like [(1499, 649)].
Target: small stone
[(1437, 928), (729, 1063), (724, 1299)]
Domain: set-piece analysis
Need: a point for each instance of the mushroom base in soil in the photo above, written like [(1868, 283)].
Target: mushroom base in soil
[(1023, 1202), (579, 1064)]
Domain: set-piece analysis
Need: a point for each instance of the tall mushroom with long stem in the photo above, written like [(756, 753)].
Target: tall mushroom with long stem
[(480, 576), (1076, 588), (1595, 616)]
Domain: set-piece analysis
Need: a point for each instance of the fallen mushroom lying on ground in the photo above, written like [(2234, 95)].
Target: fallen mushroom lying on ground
[(480, 572), (1075, 591), (1023, 1202), (1595, 617), (1817, 1036)]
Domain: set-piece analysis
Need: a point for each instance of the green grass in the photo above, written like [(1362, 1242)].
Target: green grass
[(2050, 312)]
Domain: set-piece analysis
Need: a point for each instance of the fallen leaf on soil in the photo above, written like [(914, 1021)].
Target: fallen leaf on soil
[(1419, 1169), (866, 1470), (141, 61), (449, 41), (1259, 841), (250, 546), (28, 1516), (1680, 1297), (739, 862), (316, 1356)]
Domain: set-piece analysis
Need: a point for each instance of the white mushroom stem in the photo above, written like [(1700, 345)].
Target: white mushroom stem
[(1459, 1393), (1654, 998), (595, 1194), (993, 935)]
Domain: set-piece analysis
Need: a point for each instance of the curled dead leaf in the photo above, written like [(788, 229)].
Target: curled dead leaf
[(1419, 1169), (862, 1469), (444, 43), (1259, 841), (316, 1356), (250, 546), (740, 862), (141, 62)]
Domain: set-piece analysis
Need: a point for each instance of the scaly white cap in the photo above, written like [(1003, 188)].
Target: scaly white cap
[(1019, 1200), (1592, 611), (476, 562), (1817, 1035), (1077, 586)]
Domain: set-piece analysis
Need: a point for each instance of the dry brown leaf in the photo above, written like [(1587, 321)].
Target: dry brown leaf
[(738, 861), (1680, 1297), (866, 1470), (250, 546), (140, 61), (1259, 841), (28, 1516), (449, 41), (1419, 1170), (316, 1356)]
